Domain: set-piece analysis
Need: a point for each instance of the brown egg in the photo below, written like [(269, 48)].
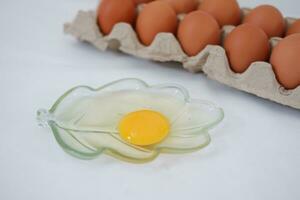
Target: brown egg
[(294, 28), (183, 6), (156, 17), (244, 45), (285, 60), (226, 12), (268, 18), (142, 1), (111, 12), (196, 30)]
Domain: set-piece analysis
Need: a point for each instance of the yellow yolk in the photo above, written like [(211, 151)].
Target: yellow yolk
[(144, 127)]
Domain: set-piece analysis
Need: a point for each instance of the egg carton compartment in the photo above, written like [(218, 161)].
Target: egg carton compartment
[(259, 79), (165, 47)]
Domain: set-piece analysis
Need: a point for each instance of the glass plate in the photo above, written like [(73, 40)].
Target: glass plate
[(84, 120)]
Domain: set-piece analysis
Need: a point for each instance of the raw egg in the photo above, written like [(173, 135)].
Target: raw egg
[(294, 28), (268, 18), (197, 30), (285, 60), (183, 6), (130, 120), (225, 12), (155, 17), (111, 12), (246, 44), (144, 127)]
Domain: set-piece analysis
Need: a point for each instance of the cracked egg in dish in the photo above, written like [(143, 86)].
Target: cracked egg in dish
[(130, 120)]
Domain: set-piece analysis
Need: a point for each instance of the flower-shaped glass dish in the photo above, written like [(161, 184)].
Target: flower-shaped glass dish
[(85, 120)]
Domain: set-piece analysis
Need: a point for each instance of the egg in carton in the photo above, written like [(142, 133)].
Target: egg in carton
[(165, 47), (259, 79)]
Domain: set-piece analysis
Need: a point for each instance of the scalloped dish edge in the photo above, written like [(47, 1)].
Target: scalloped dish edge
[(259, 79), (47, 118)]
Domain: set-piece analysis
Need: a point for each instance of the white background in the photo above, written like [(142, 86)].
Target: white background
[(254, 154)]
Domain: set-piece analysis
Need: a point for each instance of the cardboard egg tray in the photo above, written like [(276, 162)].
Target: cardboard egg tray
[(259, 79)]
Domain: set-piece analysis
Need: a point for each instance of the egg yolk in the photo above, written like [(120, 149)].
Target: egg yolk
[(144, 127)]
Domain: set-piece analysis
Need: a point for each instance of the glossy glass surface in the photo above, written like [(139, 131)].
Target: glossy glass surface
[(84, 120)]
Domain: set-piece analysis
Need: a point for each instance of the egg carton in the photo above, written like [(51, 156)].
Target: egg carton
[(259, 79), (164, 47)]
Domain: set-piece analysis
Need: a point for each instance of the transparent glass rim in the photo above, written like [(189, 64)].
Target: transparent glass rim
[(110, 151)]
